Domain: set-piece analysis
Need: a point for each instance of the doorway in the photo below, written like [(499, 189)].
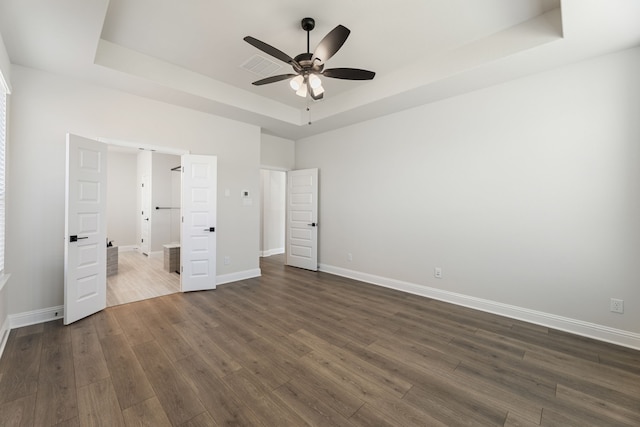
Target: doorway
[(143, 215), (86, 257), (273, 214), (289, 217)]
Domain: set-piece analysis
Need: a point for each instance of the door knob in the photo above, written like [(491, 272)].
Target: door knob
[(313, 224), (210, 229), (75, 238)]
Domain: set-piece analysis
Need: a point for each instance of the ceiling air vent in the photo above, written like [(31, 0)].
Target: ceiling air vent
[(260, 66)]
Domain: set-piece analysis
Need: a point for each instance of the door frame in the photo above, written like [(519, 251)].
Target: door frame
[(286, 202), (286, 172), (143, 147), (314, 224), (145, 217), (134, 146)]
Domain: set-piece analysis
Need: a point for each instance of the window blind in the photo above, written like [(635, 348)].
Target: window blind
[(3, 138)]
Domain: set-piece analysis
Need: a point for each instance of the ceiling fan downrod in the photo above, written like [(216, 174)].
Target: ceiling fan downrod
[(308, 24)]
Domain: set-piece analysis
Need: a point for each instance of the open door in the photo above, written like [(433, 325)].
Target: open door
[(85, 269), (198, 237), (302, 219), (145, 216)]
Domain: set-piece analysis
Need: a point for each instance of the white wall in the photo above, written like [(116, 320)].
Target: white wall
[(44, 108), (526, 194), (163, 221), (176, 201), (277, 153), (122, 194)]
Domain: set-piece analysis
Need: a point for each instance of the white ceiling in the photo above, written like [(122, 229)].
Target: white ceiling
[(190, 52)]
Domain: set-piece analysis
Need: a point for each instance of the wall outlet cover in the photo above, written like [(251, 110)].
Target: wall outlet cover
[(617, 305)]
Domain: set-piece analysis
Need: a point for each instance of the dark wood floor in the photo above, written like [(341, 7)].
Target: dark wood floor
[(296, 348)]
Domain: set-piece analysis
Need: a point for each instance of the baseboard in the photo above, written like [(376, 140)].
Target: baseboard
[(578, 327), (240, 275), (4, 334), (270, 252), (47, 314), (127, 248), (37, 316)]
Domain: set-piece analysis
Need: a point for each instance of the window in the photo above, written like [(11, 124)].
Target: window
[(3, 138)]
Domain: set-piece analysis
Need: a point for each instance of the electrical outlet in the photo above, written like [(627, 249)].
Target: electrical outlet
[(349, 257), (437, 273), (617, 305), (227, 260)]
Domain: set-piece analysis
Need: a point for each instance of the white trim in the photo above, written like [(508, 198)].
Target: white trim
[(574, 326), (127, 248), (4, 84), (274, 168), (141, 146), (4, 278), (37, 316), (270, 252), (4, 334), (240, 275)]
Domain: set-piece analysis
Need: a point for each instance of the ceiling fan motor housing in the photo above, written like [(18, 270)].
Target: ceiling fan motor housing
[(308, 24), (304, 59)]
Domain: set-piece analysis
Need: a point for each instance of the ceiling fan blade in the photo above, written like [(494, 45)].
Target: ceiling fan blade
[(330, 44), (273, 79), (349, 74), (267, 48)]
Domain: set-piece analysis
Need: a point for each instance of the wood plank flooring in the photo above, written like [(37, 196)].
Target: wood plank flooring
[(139, 277), (296, 348)]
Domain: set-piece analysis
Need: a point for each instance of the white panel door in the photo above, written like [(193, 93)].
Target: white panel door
[(198, 237), (302, 219), (85, 254), (145, 218)]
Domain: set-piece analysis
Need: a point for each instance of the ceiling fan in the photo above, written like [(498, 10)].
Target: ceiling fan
[(310, 66)]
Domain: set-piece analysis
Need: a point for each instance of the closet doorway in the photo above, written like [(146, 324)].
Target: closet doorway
[(143, 216), (273, 214)]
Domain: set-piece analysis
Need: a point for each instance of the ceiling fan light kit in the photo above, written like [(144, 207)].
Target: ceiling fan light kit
[(296, 82), (310, 66)]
